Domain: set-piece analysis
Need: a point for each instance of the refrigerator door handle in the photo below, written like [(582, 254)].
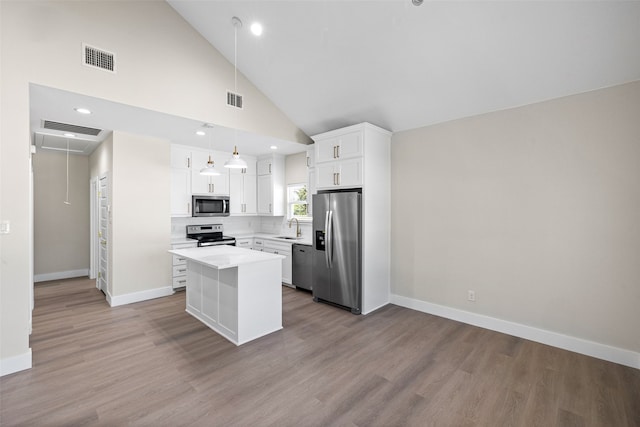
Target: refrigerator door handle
[(326, 228), (328, 255)]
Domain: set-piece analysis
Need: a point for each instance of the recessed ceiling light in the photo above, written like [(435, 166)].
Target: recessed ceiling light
[(69, 135), (256, 28), (200, 133), (82, 110), (273, 147)]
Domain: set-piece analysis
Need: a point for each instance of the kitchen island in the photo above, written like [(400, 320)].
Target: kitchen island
[(236, 292)]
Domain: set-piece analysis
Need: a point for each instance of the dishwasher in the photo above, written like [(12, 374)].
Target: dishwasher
[(302, 268)]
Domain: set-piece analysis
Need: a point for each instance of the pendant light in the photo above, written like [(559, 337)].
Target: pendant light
[(210, 168), (235, 162), (66, 199)]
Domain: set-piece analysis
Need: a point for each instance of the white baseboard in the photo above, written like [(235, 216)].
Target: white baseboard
[(578, 345), (117, 300), (13, 364), (59, 275)]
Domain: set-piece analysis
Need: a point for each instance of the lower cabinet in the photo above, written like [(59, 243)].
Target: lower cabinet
[(240, 303), (244, 243), (281, 248), (179, 266)]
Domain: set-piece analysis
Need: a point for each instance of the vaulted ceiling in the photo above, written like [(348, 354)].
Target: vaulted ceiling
[(327, 64)]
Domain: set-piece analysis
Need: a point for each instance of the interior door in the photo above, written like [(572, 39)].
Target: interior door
[(103, 234)]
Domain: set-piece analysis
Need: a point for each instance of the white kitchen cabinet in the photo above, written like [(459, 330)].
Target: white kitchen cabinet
[(241, 301), (265, 200), (245, 243), (264, 166), (341, 174), (251, 168), (281, 248), (312, 179), (359, 156), (243, 189), (271, 185), (180, 192), (339, 159), (203, 184), (258, 244), (180, 181), (311, 156), (180, 157), (179, 265), (339, 147)]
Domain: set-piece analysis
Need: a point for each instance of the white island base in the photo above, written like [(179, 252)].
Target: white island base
[(236, 292)]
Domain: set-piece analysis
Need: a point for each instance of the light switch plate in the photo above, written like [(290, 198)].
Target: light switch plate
[(5, 227)]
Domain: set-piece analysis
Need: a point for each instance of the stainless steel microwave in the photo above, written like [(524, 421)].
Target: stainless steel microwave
[(210, 205)]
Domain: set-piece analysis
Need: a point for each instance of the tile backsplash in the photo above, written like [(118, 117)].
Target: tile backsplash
[(242, 225)]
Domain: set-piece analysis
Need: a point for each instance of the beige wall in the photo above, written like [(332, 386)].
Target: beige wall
[(162, 65), (296, 171), (61, 232), (101, 164), (141, 220), (101, 160), (535, 208)]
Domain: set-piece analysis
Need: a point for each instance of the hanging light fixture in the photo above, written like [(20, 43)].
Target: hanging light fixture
[(210, 168), (235, 162)]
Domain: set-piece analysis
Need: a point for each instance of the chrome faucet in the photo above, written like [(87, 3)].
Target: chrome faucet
[(298, 232)]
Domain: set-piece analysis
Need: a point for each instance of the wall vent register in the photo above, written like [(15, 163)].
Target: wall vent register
[(234, 99), (66, 127), (98, 58)]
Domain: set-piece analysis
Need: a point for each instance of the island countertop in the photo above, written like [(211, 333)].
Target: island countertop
[(224, 256)]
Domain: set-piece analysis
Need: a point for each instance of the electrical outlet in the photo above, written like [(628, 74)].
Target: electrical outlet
[(471, 295)]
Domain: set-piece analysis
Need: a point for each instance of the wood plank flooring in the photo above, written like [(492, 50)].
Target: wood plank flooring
[(151, 364)]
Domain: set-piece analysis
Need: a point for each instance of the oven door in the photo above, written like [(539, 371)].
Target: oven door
[(210, 205)]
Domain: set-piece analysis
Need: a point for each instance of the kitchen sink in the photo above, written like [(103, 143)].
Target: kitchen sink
[(286, 237)]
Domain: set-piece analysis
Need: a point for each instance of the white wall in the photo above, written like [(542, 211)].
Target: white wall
[(101, 164), (141, 221), (162, 65), (535, 209), (101, 160), (296, 171), (61, 231)]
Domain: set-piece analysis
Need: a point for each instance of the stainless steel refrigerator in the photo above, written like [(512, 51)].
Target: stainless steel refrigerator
[(337, 249)]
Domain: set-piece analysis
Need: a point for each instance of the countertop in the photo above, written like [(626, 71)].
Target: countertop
[(304, 240), (224, 256)]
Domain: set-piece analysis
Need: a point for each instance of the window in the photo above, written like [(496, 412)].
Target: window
[(297, 201)]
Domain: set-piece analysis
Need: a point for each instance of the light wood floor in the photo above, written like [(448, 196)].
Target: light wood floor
[(152, 364)]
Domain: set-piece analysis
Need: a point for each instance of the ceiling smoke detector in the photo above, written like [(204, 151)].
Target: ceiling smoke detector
[(417, 2)]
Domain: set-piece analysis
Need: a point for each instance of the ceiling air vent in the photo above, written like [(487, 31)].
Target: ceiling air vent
[(65, 127), (98, 58), (234, 100)]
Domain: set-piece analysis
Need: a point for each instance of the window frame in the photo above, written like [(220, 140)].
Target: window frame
[(290, 204)]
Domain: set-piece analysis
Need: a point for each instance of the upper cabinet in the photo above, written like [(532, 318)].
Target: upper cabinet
[(311, 156), (242, 189), (339, 147), (203, 184), (343, 156), (180, 181), (271, 185)]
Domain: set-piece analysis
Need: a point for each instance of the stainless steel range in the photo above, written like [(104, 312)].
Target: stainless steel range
[(209, 235)]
